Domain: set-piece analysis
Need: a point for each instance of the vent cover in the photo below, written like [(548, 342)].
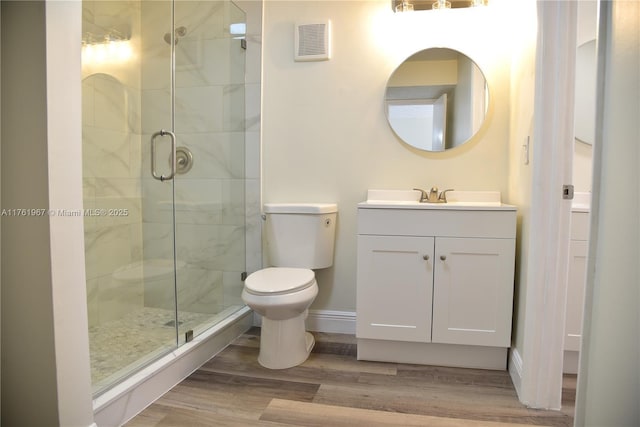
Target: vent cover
[(312, 41)]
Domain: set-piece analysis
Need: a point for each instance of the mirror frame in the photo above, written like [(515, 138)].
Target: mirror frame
[(423, 99)]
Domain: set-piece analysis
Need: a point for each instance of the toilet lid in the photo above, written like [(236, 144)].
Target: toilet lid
[(278, 280)]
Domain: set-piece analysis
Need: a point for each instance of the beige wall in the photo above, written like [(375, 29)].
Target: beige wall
[(520, 173), (324, 134), (18, 304), (45, 348)]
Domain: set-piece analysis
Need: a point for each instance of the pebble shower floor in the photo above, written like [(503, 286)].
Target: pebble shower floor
[(135, 339)]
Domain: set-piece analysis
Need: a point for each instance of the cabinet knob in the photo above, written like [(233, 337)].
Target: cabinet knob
[(443, 257), (425, 257)]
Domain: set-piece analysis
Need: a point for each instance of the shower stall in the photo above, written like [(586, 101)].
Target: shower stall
[(163, 174)]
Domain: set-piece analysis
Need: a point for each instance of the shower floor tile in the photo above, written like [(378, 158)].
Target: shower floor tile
[(121, 346)]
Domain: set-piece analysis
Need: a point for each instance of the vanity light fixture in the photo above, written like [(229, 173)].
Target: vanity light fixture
[(113, 47), (420, 5)]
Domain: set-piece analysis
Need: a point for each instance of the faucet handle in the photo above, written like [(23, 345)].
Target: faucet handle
[(423, 194), (443, 195)]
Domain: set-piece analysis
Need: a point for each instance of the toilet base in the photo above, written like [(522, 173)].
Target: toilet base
[(284, 343)]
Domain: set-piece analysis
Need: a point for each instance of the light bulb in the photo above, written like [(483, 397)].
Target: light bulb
[(100, 52), (405, 6), (441, 4)]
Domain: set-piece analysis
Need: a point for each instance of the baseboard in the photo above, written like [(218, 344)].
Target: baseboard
[(435, 354), (515, 369), (339, 322), (571, 362)]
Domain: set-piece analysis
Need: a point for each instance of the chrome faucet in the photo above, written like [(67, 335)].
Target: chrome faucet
[(433, 196)]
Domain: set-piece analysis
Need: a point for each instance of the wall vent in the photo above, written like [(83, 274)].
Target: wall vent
[(313, 41)]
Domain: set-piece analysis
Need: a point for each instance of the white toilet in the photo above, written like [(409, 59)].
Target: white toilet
[(299, 237)]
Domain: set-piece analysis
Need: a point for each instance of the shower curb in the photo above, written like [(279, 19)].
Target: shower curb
[(129, 398)]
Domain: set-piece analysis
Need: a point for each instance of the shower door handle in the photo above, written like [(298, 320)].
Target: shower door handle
[(171, 135)]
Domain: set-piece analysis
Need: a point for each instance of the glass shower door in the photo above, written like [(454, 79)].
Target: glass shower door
[(164, 169), (129, 224), (210, 184)]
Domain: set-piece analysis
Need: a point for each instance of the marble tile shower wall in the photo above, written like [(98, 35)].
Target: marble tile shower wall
[(209, 115), (111, 164), (215, 100)]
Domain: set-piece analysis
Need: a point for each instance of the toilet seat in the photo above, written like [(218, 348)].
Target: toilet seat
[(279, 281)]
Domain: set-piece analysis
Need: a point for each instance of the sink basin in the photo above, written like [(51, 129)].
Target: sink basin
[(410, 199)]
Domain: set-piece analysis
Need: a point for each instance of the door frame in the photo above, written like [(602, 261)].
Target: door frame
[(541, 362)]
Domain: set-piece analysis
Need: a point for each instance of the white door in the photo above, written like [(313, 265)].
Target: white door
[(394, 291), (473, 291), (439, 123)]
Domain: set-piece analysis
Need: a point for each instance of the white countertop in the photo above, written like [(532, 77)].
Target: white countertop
[(581, 202), (456, 200)]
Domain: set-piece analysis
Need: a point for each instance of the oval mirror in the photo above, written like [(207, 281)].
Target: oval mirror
[(436, 99), (585, 106)]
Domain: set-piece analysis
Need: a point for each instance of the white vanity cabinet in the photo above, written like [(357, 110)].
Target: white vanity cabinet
[(578, 248), (435, 283), (576, 281)]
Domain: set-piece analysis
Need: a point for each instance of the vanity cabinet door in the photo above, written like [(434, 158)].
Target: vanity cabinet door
[(394, 289), (473, 291), (575, 293)]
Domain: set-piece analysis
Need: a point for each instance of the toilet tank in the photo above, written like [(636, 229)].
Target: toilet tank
[(300, 234)]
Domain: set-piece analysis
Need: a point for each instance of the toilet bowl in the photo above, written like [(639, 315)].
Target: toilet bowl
[(282, 296), (300, 237)]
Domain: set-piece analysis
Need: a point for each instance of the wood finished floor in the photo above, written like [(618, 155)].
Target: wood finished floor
[(332, 388)]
